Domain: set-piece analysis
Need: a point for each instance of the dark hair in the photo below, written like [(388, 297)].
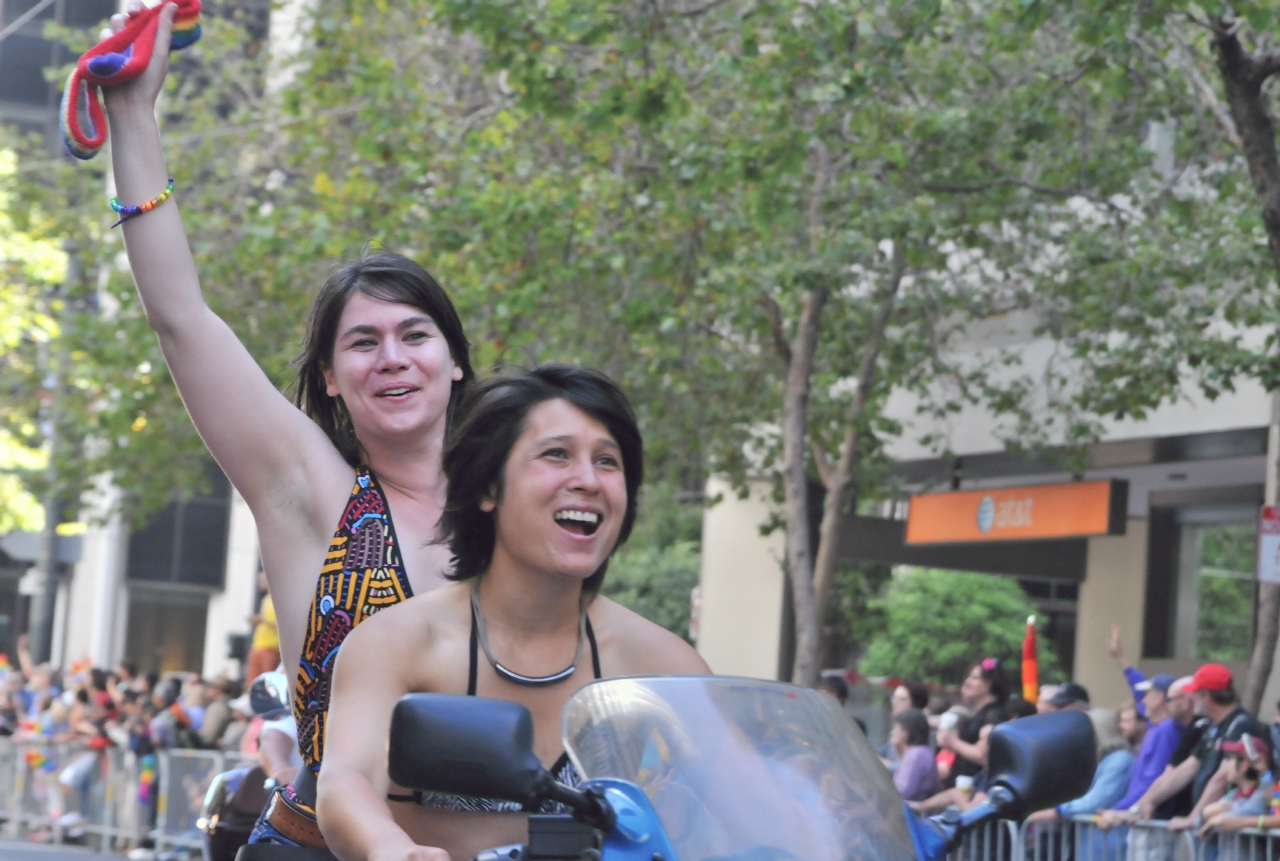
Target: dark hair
[(836, 685), (391, 278), (170, 692), (129, 668), (490, 419), (919, 694), (1017, 707), (915, 724), (1225, 697), (98, 679), (993, 675)]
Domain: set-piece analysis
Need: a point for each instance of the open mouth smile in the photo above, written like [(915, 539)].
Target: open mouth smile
[(577, 521), (398, 391)]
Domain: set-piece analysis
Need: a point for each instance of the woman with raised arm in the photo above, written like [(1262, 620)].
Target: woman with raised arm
[(543, 468), (383, 362)]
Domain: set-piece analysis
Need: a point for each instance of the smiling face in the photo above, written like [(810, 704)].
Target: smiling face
[(391, 366), (564, 494)]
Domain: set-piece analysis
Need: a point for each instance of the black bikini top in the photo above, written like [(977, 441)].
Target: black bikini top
[(562, 770)]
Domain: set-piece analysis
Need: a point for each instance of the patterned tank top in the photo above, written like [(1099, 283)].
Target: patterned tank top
[(362, 574)]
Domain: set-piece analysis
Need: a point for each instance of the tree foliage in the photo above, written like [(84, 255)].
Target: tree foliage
[(660, 190), (938, 624), (655, 572)]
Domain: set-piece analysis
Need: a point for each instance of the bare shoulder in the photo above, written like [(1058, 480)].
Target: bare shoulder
[(632, 645), (410, 625)]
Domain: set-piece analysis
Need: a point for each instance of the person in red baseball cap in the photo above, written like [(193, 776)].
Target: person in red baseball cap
[(1206, 770), (1210, 677), (1248, 803)]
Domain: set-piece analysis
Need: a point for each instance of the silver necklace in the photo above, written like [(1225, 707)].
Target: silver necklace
[(510, 675)]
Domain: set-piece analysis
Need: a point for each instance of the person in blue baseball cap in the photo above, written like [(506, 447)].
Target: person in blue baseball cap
[(1158, 746)]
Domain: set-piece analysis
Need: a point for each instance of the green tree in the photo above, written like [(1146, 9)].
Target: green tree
[(1184, 244), (938, 624), (655, 572), (32, 268)]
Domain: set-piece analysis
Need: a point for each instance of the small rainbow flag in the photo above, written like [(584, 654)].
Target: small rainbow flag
[(1030, 665)]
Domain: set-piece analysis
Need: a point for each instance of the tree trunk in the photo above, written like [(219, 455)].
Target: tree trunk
[(840, 481), (1243, 75), (795, 482)]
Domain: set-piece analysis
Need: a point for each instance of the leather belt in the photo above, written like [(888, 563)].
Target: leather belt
[(293, 824)]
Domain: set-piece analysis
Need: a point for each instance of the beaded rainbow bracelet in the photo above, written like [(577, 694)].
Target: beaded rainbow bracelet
[(127, 212)]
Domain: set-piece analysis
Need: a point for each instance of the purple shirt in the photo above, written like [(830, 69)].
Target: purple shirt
[(1156, 751), (917, 774), (1135, 678)]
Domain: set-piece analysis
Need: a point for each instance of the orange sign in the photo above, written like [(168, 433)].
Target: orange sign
[(1013, 513)]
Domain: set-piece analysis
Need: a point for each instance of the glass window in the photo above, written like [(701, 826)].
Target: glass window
[(1225, 578), (1200, 582)]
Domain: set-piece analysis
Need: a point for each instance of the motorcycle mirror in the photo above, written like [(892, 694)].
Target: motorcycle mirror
[(470, 746), (1043, 760), (269, 694)]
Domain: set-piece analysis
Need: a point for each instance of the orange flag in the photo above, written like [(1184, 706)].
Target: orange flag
[(1030, 666)]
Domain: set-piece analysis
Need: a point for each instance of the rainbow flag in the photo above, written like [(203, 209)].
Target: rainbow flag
[(1030, 666)]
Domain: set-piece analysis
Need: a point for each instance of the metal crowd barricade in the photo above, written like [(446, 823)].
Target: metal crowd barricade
[(115, 793), (994, 841), (1248, 844), (185, 776), (1080, 839)]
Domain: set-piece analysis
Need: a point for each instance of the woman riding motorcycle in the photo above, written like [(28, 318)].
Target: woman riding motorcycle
[(543, 470)]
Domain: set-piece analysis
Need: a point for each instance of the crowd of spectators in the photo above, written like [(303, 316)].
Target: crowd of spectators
[(1183, 751), (66, 718)]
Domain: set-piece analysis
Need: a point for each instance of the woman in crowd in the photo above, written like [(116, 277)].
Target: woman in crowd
[(384, 360), (543, 471), (908, 695), (917, 774), (984, 691)]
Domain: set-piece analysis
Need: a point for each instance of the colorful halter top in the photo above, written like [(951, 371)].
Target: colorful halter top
[(363, 573)]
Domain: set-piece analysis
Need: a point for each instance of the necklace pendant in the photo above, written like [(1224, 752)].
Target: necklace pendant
[(532, 681)]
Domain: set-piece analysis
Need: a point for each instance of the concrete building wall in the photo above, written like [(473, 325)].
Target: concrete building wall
[(230, 609), (1112, 594), (741, 583), (93, 602)]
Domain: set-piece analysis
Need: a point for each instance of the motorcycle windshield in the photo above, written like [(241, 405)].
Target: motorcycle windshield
[(742, 769)]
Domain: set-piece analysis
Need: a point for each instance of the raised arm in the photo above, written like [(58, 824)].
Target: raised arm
[(268, 448)]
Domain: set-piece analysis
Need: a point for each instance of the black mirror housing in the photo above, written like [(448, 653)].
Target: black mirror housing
[(470, 746), (1043, 760)]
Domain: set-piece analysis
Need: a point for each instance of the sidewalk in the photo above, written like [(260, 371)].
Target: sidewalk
[(17, 850)]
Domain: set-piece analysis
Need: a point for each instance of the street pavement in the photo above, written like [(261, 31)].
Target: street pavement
[(16, 850)]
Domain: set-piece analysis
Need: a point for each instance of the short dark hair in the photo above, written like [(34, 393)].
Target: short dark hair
[(490, 418), (1225, 697), (1017, 707), (170, 691), (919, 694), (915, 724), (836, 685), (391, 278)]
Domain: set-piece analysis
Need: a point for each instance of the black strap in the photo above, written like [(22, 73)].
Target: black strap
[(475, 646), (475, 653), (304, 786), (595, 653)]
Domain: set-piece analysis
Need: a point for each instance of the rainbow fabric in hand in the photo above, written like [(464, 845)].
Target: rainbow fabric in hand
[(120, 57)]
